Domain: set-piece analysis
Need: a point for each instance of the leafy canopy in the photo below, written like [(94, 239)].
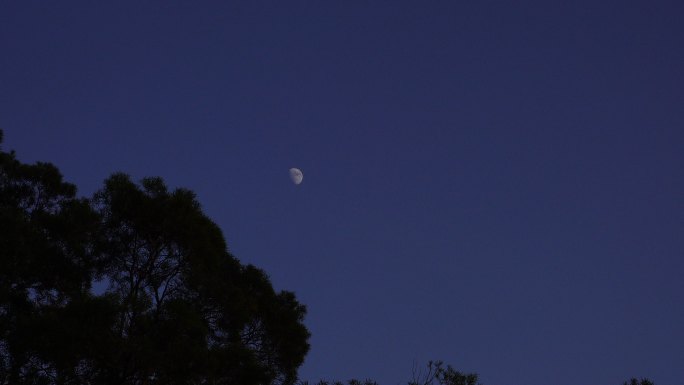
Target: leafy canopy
[(178, 307)]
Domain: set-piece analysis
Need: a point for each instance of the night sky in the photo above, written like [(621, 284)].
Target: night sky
[(498, 185)]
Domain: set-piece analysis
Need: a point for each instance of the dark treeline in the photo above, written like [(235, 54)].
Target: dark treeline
[(437, 373), (178, 307)]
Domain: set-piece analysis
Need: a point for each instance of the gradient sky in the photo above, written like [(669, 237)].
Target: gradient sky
[(498, 185)]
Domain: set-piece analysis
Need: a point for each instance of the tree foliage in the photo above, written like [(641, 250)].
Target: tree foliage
[(179, 308), (643, 381), (437, 373)]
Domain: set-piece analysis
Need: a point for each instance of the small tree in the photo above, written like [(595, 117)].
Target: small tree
[(643, 381), (438, 374)]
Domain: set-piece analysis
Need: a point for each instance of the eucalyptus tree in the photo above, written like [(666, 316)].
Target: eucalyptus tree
[(178, 306), (187, 309)]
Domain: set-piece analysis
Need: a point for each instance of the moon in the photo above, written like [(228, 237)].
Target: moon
[(296, 175)]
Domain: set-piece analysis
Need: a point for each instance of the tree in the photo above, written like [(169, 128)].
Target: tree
[(45, 234), (643, 381), (179, 307), (186, 306), (437, 373)]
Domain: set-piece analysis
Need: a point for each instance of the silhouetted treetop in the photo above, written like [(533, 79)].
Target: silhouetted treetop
[(643, 381), (178, 307)]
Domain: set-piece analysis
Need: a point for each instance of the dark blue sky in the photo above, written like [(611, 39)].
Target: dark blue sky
[(498, 185)]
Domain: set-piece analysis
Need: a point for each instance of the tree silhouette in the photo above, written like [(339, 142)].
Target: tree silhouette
[(179, 308), (643, 381), (45, 273), (437, 373)]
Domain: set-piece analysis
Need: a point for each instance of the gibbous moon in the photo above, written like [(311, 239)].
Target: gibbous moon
[(296, 175)]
